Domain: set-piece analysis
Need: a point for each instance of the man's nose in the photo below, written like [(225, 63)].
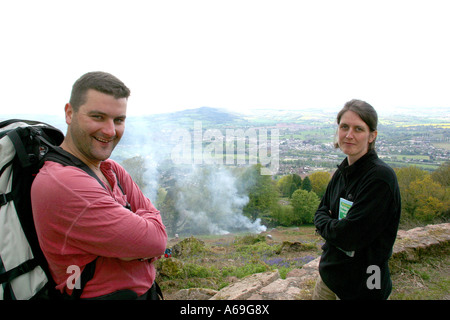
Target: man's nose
[(109, 128)]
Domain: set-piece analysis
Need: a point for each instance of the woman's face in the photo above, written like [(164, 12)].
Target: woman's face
[(354, 136)]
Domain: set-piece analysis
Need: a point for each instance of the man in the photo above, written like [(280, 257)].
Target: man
[(80, 217)]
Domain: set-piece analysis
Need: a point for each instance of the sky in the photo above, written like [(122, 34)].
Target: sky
[(236, 55)]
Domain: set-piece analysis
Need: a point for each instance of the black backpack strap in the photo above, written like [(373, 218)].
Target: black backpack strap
[(21, 269), (59, 155), (5, 198), (86, 275), (21, 152)]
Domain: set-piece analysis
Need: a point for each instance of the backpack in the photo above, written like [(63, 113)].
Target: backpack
[(24, 272)]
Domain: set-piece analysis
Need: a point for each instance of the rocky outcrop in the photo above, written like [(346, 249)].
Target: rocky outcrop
[(269, 286), (247, 287), (299, 283), (414, 243)]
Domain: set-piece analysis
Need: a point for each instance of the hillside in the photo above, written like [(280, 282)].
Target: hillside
[(235, 266), (210, 117)]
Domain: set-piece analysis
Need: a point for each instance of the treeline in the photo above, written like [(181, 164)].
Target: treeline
[(293, 200), (425, 197)]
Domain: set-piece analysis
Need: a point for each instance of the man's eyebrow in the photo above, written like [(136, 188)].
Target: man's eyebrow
[(98, 112)]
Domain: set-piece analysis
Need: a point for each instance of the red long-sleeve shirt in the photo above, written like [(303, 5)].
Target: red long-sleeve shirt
[(78, 220)]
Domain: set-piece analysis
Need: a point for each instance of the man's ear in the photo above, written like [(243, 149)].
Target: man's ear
[(69, 113)]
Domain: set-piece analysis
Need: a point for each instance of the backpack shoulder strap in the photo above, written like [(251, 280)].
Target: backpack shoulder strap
[(59, 155), (86, 275)]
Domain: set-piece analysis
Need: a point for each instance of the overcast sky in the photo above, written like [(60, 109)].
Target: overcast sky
[(238, 55)]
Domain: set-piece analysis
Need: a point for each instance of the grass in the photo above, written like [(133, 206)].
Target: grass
[(427, 279), (227, 258)]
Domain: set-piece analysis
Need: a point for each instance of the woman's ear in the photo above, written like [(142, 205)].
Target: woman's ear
[(372, 136)]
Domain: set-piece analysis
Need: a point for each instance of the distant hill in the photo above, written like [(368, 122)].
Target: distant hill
[(210, 117), (207, 114)]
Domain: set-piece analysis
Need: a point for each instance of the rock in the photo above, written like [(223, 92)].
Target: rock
[(299, 284), (247, 286), (280, 289), (296, 273), (412, 244), (312, 266)]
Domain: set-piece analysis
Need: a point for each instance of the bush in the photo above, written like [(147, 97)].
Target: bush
[(304, 204), (284, 215), (188, 247)]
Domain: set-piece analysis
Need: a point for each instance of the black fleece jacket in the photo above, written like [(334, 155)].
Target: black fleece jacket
[(369, 229)]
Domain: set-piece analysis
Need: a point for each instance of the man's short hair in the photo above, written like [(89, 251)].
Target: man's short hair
[(100, 81)]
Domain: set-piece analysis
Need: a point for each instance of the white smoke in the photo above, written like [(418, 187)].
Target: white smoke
[(210, 201), (210, 198)]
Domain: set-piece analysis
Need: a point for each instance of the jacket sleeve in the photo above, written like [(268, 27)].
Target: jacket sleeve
[(366, 219), (90, 221)]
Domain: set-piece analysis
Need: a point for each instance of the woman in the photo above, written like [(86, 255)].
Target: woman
[(359, 213)]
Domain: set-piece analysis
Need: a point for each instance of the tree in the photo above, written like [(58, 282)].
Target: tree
[(442, 174), (284, 185), (407, 175), (169, 212), (262, 192), (136, 167), (426, 200), (283, 215), (288, 184), (306, 184), (296, 180), (304, 205), (160, 197), (319, 182)]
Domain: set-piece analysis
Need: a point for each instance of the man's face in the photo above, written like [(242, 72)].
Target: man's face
[(97, 127)]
